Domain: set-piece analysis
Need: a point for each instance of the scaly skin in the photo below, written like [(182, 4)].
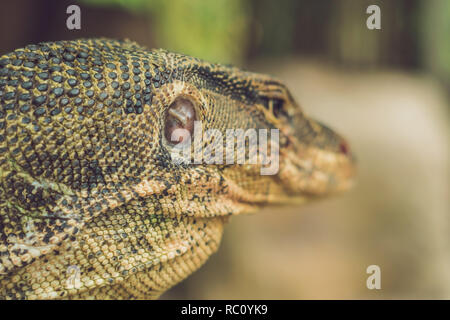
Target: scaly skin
[(86, 178)]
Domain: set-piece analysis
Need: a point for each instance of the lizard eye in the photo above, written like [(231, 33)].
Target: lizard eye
[(278, 108), (179, 115), (275, 106)]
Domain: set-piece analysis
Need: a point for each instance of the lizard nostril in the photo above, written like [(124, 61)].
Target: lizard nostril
[(344, 148), (180, 115)]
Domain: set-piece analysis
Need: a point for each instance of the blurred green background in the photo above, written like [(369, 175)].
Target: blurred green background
[(386, 90), (415, 33)]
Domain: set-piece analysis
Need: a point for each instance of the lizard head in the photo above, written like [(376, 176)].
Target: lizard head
[(246, 133)]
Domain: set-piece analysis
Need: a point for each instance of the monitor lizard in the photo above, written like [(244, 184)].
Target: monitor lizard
[(91, 203)]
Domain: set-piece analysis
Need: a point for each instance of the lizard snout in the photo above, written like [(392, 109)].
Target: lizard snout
[(319, 162)]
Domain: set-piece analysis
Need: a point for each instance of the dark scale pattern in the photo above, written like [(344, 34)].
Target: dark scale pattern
[(51, 91), (86, 176), (219, 81)]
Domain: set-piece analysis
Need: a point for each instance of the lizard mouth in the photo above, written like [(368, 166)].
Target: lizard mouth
[(312, 163), (317, 162), (317, 173)]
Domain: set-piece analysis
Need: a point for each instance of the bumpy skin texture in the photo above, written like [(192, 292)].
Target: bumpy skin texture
[(86, 177)]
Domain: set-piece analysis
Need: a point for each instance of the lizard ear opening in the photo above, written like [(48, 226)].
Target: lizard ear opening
[(180, 115)]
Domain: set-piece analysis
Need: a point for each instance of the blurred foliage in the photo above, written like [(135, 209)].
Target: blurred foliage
[(436, 37), (211, 30), (414, 33), (276, 22)]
